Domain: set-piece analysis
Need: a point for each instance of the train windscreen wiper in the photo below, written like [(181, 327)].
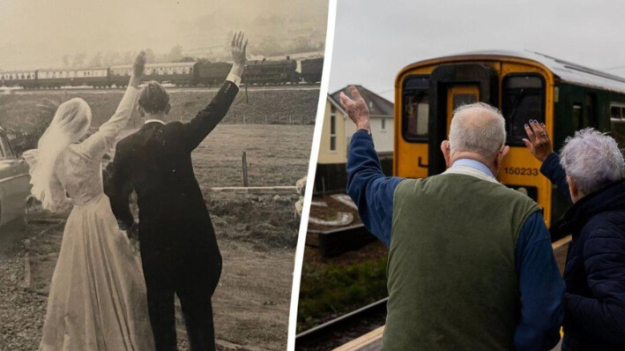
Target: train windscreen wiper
[(515, 107)]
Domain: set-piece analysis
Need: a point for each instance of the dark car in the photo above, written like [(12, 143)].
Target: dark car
[(14, 183)]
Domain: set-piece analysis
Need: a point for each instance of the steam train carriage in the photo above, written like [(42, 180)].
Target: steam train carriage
[(271, 72), (56, 78), (312, 69), (26, 79), (179, 73), (211, 73), (524, 85)]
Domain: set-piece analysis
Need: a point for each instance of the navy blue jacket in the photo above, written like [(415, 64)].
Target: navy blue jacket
[(594, 317)]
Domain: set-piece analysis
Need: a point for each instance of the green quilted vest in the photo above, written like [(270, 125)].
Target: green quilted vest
[(452, 278)]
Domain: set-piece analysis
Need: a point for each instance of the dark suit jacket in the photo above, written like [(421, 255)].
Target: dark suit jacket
[(175, 229), (594, 304)]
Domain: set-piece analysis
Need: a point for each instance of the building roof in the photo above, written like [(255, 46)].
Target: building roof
[(564, 70), (378, 106)]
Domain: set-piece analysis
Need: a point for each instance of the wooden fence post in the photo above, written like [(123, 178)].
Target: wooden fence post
[(244, 162)]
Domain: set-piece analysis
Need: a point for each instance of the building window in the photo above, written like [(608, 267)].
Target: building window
[(332, 129), (383, 123)]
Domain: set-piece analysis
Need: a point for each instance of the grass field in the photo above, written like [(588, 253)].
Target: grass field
[(264, 107), (256, 233), (276, 155)]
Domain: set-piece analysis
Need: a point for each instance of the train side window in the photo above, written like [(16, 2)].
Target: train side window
[(576, 116), (416, 109), (617, 124), (523, 98), (615, 112)]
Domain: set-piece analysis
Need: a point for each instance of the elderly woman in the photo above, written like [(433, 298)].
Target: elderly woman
[(589, 171)]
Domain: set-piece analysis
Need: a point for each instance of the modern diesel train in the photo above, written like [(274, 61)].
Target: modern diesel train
[(524, 85)]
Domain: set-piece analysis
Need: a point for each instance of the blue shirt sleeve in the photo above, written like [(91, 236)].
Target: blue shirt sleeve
[(552, 169), (541, 286), (369, 188)]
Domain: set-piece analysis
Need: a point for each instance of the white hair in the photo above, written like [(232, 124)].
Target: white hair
[(479, 128), (592, 159)]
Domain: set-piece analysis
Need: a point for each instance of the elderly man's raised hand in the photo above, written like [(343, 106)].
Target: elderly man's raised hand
[(538, 141), (356, 109), (238, 48)]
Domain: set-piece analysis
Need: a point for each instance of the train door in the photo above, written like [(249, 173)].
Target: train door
[(524, 97), (451, 86), (458, 95)]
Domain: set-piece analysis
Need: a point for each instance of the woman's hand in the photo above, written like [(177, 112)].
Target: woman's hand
[(137, 70), (238, 48), (538, 141)]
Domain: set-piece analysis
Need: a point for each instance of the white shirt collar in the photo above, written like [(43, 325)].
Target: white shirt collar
[(467, 162), (153, 120)]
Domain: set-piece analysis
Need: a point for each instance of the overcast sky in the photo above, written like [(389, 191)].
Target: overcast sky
[(375, 39), (39, 32)]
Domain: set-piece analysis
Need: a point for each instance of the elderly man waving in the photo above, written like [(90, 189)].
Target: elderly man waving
[(589, 171), (470, 264)]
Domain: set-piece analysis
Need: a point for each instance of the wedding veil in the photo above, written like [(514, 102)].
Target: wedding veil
[(70, 123)]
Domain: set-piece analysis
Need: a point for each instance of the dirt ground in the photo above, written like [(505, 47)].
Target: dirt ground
[(256, 234)]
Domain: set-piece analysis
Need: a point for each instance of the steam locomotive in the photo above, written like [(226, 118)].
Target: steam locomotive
[(201, 73)]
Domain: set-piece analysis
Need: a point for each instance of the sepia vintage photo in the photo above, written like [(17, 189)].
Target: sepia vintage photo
[(153, 162)]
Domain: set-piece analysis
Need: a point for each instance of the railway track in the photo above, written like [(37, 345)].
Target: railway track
[(342, 329)]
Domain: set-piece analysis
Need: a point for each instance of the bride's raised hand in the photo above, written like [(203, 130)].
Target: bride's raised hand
[(139, 66), (137, 70)]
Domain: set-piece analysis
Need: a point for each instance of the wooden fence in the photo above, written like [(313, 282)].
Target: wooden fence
[(332, 178)]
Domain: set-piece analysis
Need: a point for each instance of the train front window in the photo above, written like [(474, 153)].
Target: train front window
[(415, 109), (523, 99)]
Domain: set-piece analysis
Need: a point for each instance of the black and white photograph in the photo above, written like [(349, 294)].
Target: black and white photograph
[(153, 163)]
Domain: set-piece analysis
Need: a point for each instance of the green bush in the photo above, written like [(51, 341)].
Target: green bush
[(334, 290)]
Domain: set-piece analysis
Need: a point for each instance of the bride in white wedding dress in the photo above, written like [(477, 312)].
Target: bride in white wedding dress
[(97, 296)]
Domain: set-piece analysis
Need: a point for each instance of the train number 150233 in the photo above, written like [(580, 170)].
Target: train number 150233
[(521, 171)]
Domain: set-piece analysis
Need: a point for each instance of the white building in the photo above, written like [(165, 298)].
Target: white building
[(338, 128)]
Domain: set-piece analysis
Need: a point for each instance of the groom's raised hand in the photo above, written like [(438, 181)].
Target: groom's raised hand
[(238, 47)]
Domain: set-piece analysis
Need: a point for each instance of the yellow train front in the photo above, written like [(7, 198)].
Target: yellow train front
[(524, 85)]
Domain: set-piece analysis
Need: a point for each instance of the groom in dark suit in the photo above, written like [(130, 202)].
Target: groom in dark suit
[(178, 245)]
